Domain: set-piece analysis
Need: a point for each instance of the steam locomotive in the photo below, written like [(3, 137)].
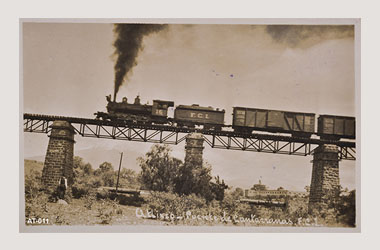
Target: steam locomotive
[(136, 112), (184, 115), (244, 120)]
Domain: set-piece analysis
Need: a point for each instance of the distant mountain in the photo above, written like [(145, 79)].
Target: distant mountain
[(97, 155), (40, 158)]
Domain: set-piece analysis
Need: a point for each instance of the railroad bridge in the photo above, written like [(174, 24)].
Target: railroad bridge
[(59, 155)]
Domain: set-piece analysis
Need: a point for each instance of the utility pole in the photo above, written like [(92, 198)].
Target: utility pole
[(118, 174)]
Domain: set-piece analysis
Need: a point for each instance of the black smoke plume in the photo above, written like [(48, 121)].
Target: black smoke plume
[(127, 45), (293, 35)]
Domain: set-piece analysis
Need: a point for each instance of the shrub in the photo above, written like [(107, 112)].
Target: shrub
[(60, 217), (80, 190), (35, 200), (107, 210), (346, 209), (89, 200), (36, 205), (32, 184), (162, 202)]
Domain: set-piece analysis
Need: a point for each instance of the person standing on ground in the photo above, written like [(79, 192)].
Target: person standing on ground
[(62, 186)]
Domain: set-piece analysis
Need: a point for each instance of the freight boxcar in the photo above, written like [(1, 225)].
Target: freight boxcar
[(336, 127), (189, 116), (249, 119)]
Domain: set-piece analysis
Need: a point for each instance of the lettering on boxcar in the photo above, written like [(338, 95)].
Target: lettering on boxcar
[(199, 115)]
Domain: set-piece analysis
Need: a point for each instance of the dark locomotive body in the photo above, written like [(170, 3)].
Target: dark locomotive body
[(189, 116), (246, 120), (336, 127), (136, 112)]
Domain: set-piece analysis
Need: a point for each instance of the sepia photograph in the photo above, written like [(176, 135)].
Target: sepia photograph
[(190, 125)]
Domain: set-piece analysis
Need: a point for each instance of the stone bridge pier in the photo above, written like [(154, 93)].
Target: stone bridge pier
[(194, 149), (59, 156), (325, 178)]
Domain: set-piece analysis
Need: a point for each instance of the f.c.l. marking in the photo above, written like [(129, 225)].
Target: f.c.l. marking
[(199, 115)]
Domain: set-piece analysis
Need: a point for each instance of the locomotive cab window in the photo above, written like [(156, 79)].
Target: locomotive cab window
[(171, 112)]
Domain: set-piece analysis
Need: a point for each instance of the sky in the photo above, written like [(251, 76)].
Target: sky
[(68, 69)]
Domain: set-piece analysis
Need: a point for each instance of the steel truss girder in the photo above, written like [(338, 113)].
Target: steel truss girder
[(37, 126), (171, 135), (258, 145), (272, 146), (129, 134)]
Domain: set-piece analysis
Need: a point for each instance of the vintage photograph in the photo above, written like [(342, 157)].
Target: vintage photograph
[(215, 125)]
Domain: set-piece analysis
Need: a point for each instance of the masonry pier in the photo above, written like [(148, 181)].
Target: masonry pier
[(194, 149), (325, 177), (59, 156)]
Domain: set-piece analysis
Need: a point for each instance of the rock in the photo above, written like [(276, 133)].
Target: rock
[(62, 202)]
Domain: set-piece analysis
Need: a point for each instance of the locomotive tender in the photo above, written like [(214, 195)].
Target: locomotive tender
[(190, 116), (244, 120)]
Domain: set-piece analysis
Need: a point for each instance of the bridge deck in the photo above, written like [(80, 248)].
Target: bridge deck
[(256, 142)]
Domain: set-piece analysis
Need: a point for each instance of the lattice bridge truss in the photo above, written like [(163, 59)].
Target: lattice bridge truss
[(255, 142)]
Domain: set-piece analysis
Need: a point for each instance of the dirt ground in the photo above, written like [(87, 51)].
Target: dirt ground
[(79, 212)]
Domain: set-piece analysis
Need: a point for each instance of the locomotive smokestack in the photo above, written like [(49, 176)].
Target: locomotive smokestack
[(127, 45)]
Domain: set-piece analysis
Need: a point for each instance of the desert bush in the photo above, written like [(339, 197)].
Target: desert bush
[(89, 200), (32, 184), (36, 201), (340, 211), (85, 180), (296, 208), (60, 216), (196, 179), (346, 209), (182, 205), (107, 210), (162, 202), (80, 190), (36, 205)]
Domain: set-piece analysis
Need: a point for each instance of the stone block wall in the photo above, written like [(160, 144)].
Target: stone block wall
[(194, 149), (59, 156), (325, 177)]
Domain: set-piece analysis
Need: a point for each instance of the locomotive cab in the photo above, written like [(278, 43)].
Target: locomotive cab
[(160, 108)]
